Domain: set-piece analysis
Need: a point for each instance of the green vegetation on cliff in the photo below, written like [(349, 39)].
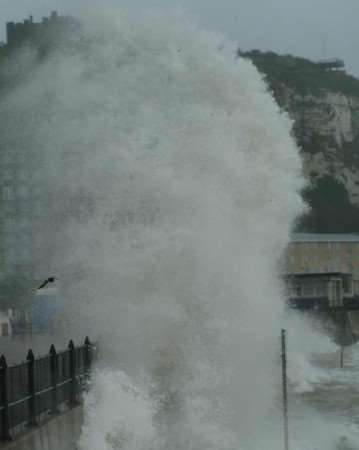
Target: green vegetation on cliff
[(331, 209), (302, 74), (291, 79)]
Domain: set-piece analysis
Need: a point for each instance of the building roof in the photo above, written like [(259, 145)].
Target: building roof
[(318, 275), (324, 237)]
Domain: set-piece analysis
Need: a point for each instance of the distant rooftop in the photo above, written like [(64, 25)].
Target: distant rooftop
[(333, 63), (324, 237)]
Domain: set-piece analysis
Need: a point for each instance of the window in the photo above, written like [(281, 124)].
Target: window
[(8, 193), (23, 207), (24, 255), (335, 293), (11, 256), (298, 290), (6, 158), (356, 287), (23, 223), (21, 157), (23, 191), (7, 175), (346, 284), (37, 210), (38, 191), (337, 290), (9, 224), (4, 329), (23, 174)]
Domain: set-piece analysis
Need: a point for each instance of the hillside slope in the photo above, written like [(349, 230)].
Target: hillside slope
[(324, 104)]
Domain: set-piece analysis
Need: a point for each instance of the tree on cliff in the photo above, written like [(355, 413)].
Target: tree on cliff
[(331, 209)]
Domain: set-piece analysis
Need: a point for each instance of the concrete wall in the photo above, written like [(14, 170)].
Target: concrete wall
[(60, 433)]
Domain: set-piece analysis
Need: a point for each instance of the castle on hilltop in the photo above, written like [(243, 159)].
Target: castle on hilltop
[(38, 34)]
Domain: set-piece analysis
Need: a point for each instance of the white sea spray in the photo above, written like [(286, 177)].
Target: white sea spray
[(172, 183)]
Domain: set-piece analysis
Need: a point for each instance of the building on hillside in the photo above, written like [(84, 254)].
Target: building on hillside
[(22, 189), (323, 290), (322, 276), (20, 202), (331, 64), (39, 34), (323, 253)]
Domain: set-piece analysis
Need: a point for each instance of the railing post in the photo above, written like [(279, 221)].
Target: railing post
[(31, 389), (72, 366), (342, 340), (87, 357), (284, 389), (5, 419), (54, 377)]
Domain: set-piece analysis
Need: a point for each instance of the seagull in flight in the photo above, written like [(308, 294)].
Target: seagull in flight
[(46, 282)]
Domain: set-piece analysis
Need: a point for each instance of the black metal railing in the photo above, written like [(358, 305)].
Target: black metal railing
[(39, 387)]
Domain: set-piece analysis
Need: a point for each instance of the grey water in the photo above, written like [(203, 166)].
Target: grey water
[(323, 397), (335, 397)]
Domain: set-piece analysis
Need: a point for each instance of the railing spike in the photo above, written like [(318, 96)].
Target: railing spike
[(32, 419), (54, 376), (4, 416), (30, 355), (72, 373), (3, 363), (52, 350)]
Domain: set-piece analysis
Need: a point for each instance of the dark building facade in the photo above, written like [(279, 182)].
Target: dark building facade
[(40, 35), (22, 188)]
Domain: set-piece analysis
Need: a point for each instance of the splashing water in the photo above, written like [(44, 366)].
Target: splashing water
[(171, 184)]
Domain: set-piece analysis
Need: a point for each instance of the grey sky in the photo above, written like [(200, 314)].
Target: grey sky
[(310, 28)]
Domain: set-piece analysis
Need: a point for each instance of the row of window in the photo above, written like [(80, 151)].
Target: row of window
[(12, 193), (13, 256), (10, 157), (20, 245), (18, 208), (17, 235), (22, 174), (345, 266), (10, 260), (308, 247), (10, 268), (18, 231), (333, 287)]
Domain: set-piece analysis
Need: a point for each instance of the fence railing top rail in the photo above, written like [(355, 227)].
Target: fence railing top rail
[(52, 351), (40, 385)]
